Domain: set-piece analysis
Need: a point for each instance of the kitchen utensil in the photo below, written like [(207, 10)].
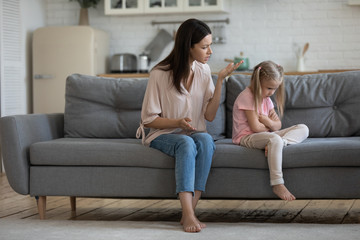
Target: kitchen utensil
[(124, 63), (144, 63), (300, 67), (157, 45), (306, 47)]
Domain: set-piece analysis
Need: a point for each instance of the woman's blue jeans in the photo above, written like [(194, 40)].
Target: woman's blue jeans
[(193, 155)]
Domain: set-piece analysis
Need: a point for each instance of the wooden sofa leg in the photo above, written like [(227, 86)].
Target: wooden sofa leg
[(42, 207), (73, 203)]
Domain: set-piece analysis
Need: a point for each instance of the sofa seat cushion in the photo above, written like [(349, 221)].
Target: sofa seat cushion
[(97, 152), (313, 152)]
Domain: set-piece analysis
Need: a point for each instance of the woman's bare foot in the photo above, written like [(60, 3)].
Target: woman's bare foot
[(190, 224), (202, 225), (282, 192), (189, 220)]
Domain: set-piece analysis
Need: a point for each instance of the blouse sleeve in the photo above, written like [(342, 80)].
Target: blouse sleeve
[(151, 107)]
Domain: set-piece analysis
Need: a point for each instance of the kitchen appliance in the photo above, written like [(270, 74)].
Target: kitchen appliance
[(144, 63), (124, 63), (59, 51)]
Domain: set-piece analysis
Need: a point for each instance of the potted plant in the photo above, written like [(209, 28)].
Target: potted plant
[(84, 15)]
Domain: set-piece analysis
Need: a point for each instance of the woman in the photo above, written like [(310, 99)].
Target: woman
[(179, 97)]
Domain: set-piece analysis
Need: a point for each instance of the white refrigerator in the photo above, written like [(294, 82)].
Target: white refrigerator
[(59, 52)]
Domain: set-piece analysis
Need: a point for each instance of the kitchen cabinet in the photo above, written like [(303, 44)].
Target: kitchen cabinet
[(123, 7), (354, 2), (163, 6), (136, 7), (204, 6)]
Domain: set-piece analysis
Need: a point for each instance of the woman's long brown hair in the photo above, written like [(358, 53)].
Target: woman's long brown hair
[(190, 32)]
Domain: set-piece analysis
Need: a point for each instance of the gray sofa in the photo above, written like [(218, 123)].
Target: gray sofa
[(91, 149)]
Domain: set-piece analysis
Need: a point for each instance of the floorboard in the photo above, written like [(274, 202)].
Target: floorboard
[(332, 211)]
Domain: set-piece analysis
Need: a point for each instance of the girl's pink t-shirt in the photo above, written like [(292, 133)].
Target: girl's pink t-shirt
[(245, 101)]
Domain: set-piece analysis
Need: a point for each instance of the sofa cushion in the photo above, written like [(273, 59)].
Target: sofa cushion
[(326, 103), (217, 128), (313, 152), (98, 152), (98, 107)]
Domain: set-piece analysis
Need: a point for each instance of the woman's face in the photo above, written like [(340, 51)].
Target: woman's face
[(201, 51)]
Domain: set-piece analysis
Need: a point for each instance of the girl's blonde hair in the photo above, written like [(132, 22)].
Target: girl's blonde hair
[(266, 71)]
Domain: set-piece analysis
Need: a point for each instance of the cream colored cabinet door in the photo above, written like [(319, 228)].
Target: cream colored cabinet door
[(164, 6), (204, 6), (123, 7)]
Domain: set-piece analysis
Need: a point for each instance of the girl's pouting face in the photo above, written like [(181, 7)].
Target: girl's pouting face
[(201, 51), (268, 87)]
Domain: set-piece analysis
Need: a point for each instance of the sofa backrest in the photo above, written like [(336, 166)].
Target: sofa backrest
[(98, 107), (329, 104)]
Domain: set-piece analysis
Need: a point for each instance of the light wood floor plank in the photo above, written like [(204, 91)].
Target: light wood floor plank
[(335, 212), (117, 210), (126, 207), (89, 205), (265, 211), (313, 210), (243, 212), (165, 208), (353, 215), (216, 210), (287, 212)]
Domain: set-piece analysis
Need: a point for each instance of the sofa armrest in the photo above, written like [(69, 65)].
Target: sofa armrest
[(17, 133)]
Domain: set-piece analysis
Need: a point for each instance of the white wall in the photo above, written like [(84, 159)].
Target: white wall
[(33, 17), (262, 29)]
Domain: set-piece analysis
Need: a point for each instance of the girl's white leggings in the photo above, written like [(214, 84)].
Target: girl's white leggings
[(275, 141)]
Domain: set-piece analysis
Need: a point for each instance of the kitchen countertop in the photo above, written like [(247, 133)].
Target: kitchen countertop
[(146, 75)]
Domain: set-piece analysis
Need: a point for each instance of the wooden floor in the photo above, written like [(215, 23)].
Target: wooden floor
[(16, 206)]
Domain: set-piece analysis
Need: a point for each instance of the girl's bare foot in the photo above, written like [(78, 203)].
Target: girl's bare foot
[(266, 151), (190, 224), (282, 192)]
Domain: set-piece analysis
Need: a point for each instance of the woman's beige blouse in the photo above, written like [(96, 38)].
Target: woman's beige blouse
[(163, 100)]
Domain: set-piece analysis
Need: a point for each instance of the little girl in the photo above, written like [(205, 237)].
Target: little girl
[(257, 125)]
